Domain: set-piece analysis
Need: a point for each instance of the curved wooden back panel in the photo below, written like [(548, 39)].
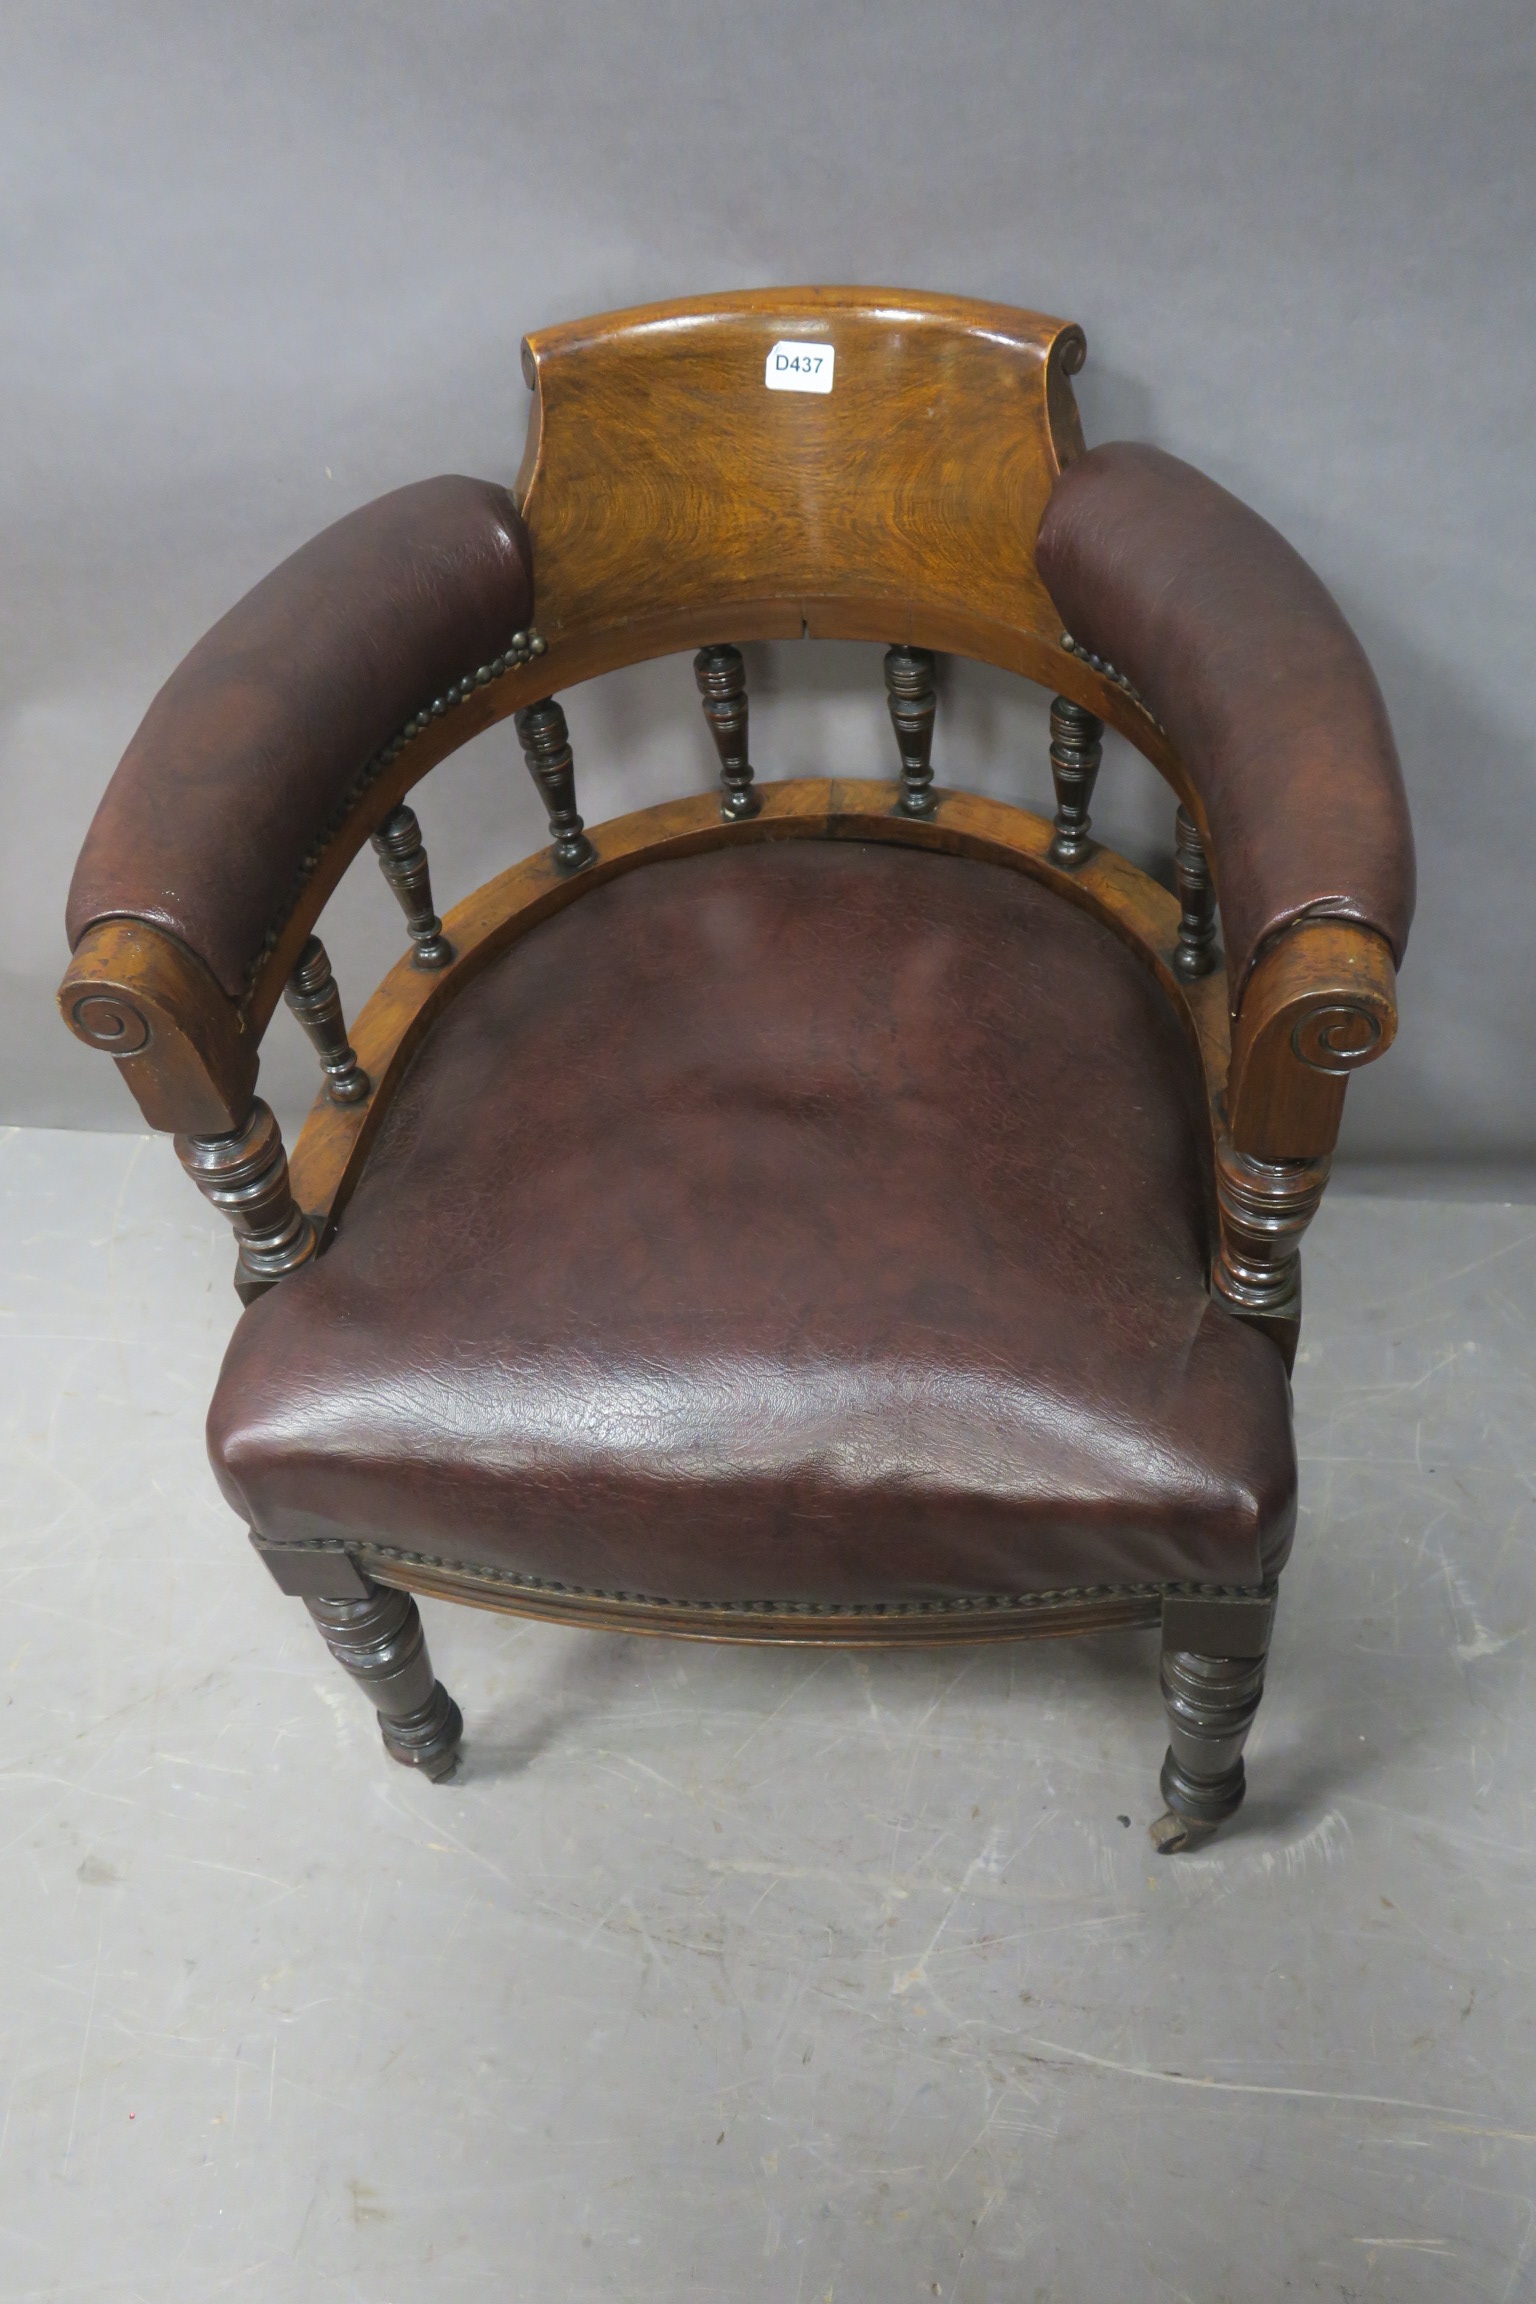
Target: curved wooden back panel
[(670, 491)]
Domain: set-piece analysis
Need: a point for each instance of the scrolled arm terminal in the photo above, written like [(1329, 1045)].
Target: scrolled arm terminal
[(1321, 1002)]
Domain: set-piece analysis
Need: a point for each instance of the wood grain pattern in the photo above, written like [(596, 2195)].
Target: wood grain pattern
[(655, 446), (673, 500), (333, 1147)]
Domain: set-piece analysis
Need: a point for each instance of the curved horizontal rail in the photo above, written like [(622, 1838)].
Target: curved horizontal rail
[(334, 1146), (1054, 1615), (102, 954)]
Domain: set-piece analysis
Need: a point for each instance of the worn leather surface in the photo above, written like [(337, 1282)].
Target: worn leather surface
[(809, 1221), (1245, 658), (248, 752)]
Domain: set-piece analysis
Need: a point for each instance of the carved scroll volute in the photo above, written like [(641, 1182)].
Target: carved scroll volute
[(180, 1042), (1321, 1002), (1068, 352)]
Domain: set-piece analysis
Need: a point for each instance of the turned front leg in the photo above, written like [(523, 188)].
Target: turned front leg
[(1214, 1654), (378, 1639)]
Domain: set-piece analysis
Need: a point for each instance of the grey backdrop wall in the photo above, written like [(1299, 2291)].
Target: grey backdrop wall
[(261, 263)]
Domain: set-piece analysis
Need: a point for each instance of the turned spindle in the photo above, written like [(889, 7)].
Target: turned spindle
[(312, 995), (722, 680), (403, 862), (541, 731), (1195, 955), (1077, 747), (245, 1176), (1265, 1206), (909, 693)]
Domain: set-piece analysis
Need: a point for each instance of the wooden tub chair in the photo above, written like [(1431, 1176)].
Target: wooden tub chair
[(844, 1210)]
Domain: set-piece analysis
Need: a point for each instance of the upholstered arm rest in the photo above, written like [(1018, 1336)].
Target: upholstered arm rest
[(250, 761), (254, 747), (1265, 693)]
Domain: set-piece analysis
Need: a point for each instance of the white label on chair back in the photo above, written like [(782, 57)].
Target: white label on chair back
[(800, 367)]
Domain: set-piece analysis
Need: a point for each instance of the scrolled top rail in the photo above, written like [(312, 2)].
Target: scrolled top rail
[(674, 497), (1267, 697)]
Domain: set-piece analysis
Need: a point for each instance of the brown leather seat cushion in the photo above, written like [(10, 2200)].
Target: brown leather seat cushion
[(799, 1222)]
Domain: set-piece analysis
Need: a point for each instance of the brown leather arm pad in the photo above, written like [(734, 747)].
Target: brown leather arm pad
[(257, 744), (1266, 694)]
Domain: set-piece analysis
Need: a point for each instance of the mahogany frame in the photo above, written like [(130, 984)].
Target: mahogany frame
[(673, 504)]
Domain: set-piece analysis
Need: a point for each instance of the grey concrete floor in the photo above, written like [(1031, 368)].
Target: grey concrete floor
[(743, 1974)]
